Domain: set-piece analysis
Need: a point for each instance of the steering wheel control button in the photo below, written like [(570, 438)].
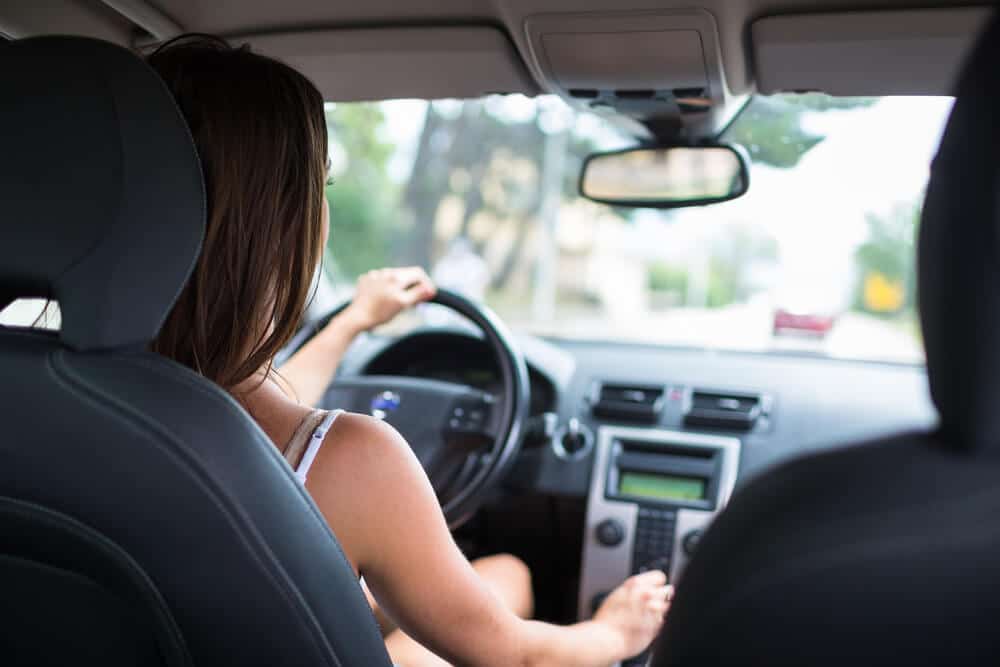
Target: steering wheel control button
[(610, 532), (470, 416), (690, 542)]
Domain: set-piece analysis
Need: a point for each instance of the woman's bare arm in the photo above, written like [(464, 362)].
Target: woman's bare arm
[(380, 296), (377, 498), (311, 369)]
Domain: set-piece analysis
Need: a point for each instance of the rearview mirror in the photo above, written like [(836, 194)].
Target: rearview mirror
[(665, 177)]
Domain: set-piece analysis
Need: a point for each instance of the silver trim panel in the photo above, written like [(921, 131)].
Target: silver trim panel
[(603, 567)]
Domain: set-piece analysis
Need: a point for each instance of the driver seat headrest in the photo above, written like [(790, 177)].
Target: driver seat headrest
[(106, 221)]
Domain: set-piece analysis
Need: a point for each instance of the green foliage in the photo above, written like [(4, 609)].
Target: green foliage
[(890, 251), (362, 198), (356, 128), (821, 102), (723, 283), (664, 277), (771, 127), (359, 229)]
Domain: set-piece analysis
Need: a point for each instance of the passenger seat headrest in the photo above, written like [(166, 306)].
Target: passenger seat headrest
[(959, 256), (101, 188)]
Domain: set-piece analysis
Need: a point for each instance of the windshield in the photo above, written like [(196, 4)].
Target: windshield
[(818, 257)]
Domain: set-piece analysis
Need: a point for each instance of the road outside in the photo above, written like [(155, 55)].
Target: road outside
[(744, 327)]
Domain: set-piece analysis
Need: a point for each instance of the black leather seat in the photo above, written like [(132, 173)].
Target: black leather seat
[(885, 553), (144, 518)]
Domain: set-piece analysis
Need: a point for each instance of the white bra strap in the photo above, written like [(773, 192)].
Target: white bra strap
[(315, 442)]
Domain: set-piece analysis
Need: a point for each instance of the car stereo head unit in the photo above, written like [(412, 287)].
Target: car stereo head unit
[(652, 493)]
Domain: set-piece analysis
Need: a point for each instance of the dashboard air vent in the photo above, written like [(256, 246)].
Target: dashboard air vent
[(629, 402), (728, 410)]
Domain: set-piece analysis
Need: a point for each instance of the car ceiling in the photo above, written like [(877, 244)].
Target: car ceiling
[(236, 17), (379, 49)]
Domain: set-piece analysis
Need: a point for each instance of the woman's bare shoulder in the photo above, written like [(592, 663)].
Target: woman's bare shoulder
[(361, 451), (364, 473), (357, 434)]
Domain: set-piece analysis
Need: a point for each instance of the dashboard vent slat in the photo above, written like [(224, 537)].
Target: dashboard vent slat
[(723, 409), (628, 402)]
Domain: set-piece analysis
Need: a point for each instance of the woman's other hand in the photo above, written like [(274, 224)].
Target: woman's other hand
[(382, 294), (635, 610)]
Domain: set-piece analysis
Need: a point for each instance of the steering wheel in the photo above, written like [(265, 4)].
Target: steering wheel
[(466, 439)]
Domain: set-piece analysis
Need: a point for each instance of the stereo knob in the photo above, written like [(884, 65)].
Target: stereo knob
[(690, 542), (610, 532)]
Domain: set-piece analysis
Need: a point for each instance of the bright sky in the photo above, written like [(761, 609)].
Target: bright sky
[(872, 159)]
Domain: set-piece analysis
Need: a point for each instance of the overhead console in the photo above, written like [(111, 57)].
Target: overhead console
[(904, 52), (662, 69), (652, 493)]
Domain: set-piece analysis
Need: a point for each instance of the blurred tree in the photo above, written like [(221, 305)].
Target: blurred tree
[(491, 163), (770, 127), (733, 255), (362, 198), (665, 277), (888, 258)]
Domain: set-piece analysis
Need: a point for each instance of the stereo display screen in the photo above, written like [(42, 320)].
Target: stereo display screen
[(661, 487)]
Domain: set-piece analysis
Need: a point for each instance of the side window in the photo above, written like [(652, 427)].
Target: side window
[(38, 313)]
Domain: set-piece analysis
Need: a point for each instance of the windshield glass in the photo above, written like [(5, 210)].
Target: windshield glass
[(818, 257)]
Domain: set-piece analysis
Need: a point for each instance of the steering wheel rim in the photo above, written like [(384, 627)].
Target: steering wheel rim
[(513, 403)]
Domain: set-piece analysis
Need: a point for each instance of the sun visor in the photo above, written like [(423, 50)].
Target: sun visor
[(386, 63), (907, 52)]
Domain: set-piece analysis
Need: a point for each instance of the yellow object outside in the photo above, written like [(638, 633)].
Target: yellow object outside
[(883, 295)]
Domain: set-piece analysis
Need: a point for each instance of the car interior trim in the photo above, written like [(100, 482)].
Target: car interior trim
[(606, 564), (826, 51), (429, 62), (147, 17)]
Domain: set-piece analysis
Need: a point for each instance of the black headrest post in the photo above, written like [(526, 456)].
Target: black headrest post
[(107, 221), (959, 257)]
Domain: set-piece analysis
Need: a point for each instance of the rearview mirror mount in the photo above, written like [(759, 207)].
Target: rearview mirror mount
[(666, 176)]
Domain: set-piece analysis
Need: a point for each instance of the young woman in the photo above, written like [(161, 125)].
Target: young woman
[(260, 130)]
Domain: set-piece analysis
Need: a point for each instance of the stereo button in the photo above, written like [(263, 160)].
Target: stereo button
[(610, 532)]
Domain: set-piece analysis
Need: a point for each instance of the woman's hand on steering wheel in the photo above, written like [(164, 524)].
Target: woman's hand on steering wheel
[(382, 294)]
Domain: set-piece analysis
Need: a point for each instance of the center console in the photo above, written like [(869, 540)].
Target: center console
[(652, 493)]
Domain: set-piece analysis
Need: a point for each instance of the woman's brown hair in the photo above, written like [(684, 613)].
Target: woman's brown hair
[(260, 130)]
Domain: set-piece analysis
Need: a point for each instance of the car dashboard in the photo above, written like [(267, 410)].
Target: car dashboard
[(654, 439)]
